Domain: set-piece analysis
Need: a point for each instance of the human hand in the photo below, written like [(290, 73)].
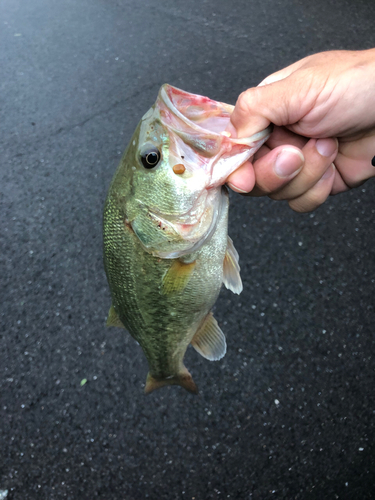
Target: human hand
[(324, 111)]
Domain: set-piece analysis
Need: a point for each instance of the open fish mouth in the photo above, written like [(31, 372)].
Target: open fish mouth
[(198, 124), (205, 116), (182, 221)]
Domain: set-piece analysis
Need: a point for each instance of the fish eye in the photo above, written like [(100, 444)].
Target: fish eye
[(150, 157)]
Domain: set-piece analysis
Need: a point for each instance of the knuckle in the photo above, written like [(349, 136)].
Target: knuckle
[(300, 207), (309, 201), (314, 170), (317, 198), (246, 100), (263, 185), (242, 104), (277, 196), (286, 192)]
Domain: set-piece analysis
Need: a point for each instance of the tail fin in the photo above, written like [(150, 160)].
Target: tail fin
[(184, 379)]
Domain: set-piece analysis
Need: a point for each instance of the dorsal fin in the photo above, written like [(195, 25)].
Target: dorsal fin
[(209, 340), (177, 277), (231, 269), (113, 319)]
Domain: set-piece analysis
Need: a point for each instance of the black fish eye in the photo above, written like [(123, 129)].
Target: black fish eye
[(150, 158)]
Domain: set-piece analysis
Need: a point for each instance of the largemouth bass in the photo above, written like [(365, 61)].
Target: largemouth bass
[(166, 245)]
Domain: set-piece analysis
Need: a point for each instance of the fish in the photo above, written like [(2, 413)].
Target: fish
[(165, 232)]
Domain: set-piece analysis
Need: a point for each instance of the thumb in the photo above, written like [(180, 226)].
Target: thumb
[(283, 102)]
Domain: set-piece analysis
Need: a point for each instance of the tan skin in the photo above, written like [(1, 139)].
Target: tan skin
[(323, 109)]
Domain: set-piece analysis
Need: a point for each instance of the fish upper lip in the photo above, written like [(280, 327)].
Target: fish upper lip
[(228, 108)]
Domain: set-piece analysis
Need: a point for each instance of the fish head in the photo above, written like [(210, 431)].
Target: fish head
[(180, 156)]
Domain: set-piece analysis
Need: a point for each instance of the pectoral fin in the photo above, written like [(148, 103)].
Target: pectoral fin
[(177, 277), (209, 340), (113, 319), (232, 279)]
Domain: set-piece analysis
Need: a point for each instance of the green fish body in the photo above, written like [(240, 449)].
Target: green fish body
[(166, 245)]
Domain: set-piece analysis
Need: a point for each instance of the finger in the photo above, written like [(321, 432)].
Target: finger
[(275, 77), (338, 186), (282, 103), (283, 73), (272, 171), (261, 152), (319, 154), (317, 195), (281, 136), (354, 160), (277, 168), (243, 179)]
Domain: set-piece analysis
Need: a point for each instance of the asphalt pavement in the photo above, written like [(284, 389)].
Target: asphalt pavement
[(289, 412)]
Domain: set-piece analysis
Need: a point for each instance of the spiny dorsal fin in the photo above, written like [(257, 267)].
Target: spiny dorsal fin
[(231, 269), (209, 340), (113, 319), (184, 379), (177, 277)]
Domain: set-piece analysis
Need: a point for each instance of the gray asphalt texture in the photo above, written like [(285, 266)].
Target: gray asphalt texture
[(289, 412)]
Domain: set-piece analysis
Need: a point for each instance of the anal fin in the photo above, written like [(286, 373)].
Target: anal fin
[(231, 269), (113, 319), (209, 340), (177, 277)]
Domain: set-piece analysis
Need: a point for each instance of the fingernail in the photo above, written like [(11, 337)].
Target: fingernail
[(233, 132), (236, 189), (326, 147), (288, 163)]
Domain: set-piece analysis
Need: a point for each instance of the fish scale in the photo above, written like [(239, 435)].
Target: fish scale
[(163, 325), (165, 231)]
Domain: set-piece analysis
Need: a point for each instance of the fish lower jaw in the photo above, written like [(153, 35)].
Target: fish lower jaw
[(185, 238), (188, 219), (189, 244), (192, 235), (178, 225), (191, 217)]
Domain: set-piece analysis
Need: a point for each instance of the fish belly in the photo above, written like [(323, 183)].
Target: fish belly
[(163, 324)]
